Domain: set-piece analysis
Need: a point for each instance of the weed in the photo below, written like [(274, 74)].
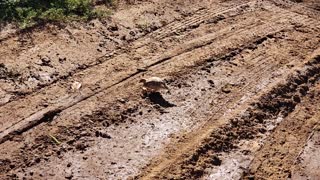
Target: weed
[(29, 12)]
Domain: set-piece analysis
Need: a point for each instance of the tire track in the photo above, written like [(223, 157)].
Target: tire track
[(297, 8), (193, 21), (158, 67), (142, 41), (196, 21), (203, 41), (191, 161), (146, 40)]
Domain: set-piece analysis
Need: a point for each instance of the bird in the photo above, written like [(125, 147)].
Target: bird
[(153, 84)]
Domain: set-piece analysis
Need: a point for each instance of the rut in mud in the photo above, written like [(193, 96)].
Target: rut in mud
[(255, 122), (240, 73)]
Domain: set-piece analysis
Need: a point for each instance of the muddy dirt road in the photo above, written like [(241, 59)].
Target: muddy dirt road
[(244, 80)]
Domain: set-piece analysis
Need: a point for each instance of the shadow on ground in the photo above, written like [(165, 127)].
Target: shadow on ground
[(157, 98)]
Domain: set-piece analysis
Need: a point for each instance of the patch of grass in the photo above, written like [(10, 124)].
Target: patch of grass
[(29, 12)]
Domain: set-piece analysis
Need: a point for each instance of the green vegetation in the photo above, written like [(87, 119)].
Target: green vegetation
[(29, 12)]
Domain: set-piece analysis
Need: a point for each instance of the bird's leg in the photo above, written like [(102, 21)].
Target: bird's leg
[(167, 88)]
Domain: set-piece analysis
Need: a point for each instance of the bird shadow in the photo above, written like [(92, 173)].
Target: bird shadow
[(157, 98)]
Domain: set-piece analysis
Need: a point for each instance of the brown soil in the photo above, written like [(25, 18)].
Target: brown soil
[(244, 80)]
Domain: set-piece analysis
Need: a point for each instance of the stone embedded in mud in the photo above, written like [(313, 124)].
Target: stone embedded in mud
[(121, 100), (44, 77), (69, 164), (103, 135), (211, 82), (45, 61), (113, 28), (97, 133), (81, 146), (76, 85), (226, 88), (132, 33)]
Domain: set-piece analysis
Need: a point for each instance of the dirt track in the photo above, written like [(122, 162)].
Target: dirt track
[(244, 79)]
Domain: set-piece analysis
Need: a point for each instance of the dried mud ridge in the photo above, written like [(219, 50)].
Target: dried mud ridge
[(157, 33)]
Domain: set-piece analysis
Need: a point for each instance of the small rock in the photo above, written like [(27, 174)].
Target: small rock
[(97, 133), (84, 133), (105, 135), (122, 100), (211, 82), (44, 77), (226, 88), (37, 160), (69, 164), (113, 28), (132, 33), (106, 124), (45, 62), (76, 86), (81, 146)]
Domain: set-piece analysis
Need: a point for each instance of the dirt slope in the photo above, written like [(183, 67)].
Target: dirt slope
[(243, 100)]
